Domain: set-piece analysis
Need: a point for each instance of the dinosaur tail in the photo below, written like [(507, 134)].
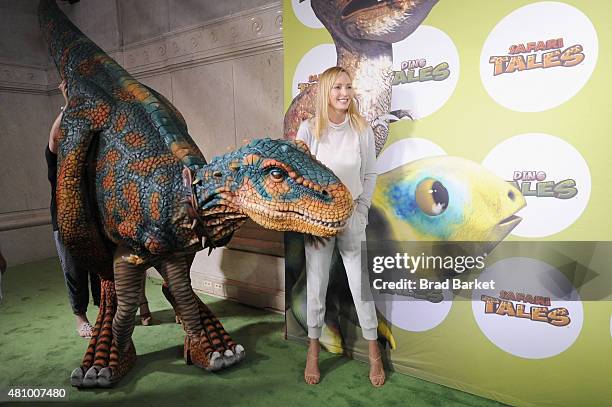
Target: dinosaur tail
[(67, 44), (76, 56)]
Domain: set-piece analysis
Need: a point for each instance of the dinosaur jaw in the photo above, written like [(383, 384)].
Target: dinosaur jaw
[(292, 221), (384, 20), (364, 6)]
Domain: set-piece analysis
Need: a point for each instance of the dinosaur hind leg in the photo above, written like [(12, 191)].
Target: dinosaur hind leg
[(100, 342), (111, 353)]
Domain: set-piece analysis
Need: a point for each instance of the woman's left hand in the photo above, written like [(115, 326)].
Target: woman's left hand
[(361, 216), (316, 241)]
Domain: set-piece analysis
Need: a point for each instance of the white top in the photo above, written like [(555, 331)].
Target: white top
[(339, 151), (367, 150)]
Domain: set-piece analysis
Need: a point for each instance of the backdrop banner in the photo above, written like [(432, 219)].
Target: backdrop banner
[(488, 245)]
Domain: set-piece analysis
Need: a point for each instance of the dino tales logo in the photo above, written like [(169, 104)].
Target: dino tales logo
[(424, 73), (537, 55), (521, 305), (417, 70), (534, 183)]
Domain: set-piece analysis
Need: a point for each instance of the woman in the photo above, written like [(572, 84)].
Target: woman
[(75, 277), (342, 140)]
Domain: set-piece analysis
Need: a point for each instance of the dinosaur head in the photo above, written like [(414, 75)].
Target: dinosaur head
[(278, 184), (379, 20), (447, 198)]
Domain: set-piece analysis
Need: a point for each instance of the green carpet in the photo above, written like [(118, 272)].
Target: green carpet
[(39, 348)]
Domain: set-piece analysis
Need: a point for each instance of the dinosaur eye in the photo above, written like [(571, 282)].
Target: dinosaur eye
[(432, 197), (277, 175)]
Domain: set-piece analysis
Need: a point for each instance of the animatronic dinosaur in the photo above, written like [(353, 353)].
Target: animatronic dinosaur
[(432, 199), (363, 32), (133, 190)]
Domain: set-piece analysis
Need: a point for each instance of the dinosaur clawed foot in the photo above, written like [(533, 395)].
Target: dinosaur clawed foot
[(96, 376), (198, 351), (221, 341), (201, 352), (106, 371), (212, 349)]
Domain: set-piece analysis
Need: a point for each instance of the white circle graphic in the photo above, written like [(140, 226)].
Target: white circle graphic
[(414, 315), (539, 56), (525, 329), (404, 151), (553, 176), (304, 12), (426, 66), (314, 62)]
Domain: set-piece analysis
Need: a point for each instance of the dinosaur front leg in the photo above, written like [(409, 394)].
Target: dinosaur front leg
[(203, 347), (220, 339)]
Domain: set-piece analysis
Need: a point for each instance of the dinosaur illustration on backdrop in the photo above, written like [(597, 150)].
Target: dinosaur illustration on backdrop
[(134, 190), (363, 32)]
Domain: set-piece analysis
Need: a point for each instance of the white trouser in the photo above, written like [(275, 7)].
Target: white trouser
[(318, 263)]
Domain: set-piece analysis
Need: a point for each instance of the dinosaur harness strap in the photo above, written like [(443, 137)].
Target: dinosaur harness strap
[(198, 225)]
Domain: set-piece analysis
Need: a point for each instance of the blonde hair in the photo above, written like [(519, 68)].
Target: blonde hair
[(321, 119)]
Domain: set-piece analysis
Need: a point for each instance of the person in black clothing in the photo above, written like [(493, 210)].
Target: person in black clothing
[(76, 278)]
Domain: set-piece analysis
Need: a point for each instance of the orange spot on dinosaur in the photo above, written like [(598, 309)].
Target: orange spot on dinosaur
[(155, 199), (148, 165), (108, 182), (88, 67), (123, 95), (121, 122), (134, 139), (132, 217), (251, 159), (141, 93), (69, 206), (97, 115)]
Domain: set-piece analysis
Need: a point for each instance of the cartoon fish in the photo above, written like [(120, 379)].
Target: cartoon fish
[(444, 198), (440, 198)]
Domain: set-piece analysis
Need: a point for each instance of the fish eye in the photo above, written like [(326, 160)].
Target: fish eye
[(432, 197), (277, 174)]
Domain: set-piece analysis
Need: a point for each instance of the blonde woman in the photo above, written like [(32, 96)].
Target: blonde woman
[(342, 140)]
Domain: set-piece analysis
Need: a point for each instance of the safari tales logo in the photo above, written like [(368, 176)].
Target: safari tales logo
[(526, 306), (541, 54)]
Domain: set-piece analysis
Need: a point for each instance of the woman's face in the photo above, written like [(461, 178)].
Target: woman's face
[(341, 93)]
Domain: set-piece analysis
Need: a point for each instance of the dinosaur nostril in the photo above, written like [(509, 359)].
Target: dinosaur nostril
[(511, 195), (325, 193)]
